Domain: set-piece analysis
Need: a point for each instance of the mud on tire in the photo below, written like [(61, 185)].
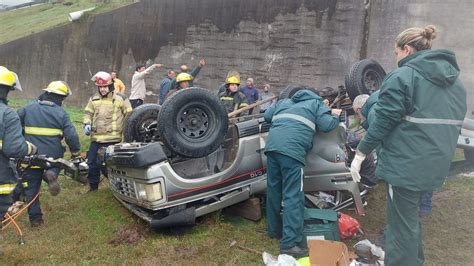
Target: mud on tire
[(141, 124), (364, 77), (192, 122)]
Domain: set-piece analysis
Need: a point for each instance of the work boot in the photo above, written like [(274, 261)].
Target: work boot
[(93, 188), (36, 222), (53, 184), (295, 252)]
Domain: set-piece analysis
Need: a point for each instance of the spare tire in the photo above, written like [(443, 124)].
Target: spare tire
[(141, 124), (290, 90), (364, 77), (192, 122)]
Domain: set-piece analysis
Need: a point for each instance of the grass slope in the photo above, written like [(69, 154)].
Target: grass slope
[(25, 21), (83, 228)]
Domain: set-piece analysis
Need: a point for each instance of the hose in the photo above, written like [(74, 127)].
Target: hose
[(11, 219)]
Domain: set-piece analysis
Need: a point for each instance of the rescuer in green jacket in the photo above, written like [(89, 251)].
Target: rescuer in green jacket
[(293, 124), (418, 117)]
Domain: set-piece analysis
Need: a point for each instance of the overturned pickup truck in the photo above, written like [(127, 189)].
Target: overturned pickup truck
[(185, 159)]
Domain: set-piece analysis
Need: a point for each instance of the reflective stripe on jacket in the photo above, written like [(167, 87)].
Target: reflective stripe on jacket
[(233, 101), (106, 116), (45, 125), (13, 145)]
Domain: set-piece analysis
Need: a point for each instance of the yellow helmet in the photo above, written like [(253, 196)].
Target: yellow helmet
[(59, 88), (183, 77), (233, 80), (9, 79)]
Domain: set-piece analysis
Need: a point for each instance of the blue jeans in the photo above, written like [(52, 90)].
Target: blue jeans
[(426, 205), (95, 165)]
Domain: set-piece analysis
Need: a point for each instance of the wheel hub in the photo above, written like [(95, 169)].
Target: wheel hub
[(193, 122), (371, 81)]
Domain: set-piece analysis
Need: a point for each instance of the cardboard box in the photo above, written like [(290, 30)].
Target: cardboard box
[(328, 253)]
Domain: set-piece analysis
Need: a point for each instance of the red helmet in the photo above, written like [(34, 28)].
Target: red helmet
[(102, 79)]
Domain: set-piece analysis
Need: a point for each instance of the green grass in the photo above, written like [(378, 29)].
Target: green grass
[(92, 229), (25, 21)]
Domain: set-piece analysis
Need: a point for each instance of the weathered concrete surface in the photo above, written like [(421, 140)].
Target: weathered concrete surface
[(310, 42), (277, 41), (453, 19)]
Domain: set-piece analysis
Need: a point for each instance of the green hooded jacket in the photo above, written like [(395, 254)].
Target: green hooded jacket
[(294, 122), (367, 109), (418, 118)]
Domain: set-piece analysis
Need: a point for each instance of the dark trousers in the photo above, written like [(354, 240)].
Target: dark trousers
[(33, 179), (30, 185), (426, 204), (285, 184), (135, 103), (403, 242), (96, 166), (5, 203)]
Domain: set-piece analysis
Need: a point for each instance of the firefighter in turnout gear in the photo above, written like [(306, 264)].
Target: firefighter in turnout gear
[(12, 142), (231, 97), (46, 124), (103, 121)]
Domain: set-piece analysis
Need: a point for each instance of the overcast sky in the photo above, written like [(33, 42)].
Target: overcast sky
[(14, 2)]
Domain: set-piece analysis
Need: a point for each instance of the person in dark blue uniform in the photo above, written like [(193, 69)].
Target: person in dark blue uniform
[(45, 124), (12, 142)]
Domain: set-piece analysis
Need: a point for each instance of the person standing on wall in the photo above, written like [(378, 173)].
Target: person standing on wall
[(118, 84), (46, 124), (12, 142), (138, 91), (165, 85), (293, 124), (250, 92), (420, 110), (103, 121)]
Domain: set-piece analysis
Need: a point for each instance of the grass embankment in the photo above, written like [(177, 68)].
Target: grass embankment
[(25, 21), (94, 229)]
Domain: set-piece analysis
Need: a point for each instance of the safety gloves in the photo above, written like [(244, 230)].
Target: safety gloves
[(87, 129), (355, 165), (32, 149)]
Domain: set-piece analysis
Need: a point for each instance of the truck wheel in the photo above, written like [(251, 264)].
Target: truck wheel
[(192, 122), (141, 124), (364, 77), (290, 90), (469, 155)]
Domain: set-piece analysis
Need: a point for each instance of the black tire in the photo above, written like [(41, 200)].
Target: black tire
[(364, 77), (141, 124), (192, 122), (469, 155), (290, 90)]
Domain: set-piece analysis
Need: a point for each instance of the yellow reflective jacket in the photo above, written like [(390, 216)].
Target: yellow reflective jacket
[(106, 116), (119, 86)]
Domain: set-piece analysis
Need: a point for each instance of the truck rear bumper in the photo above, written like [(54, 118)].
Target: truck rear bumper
[(465, 142)]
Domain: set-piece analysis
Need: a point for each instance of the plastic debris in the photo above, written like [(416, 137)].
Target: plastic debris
[(281, 260)]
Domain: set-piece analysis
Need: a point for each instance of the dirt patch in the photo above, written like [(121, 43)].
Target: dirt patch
[(441, 196), (127, 235), (186, 252)]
